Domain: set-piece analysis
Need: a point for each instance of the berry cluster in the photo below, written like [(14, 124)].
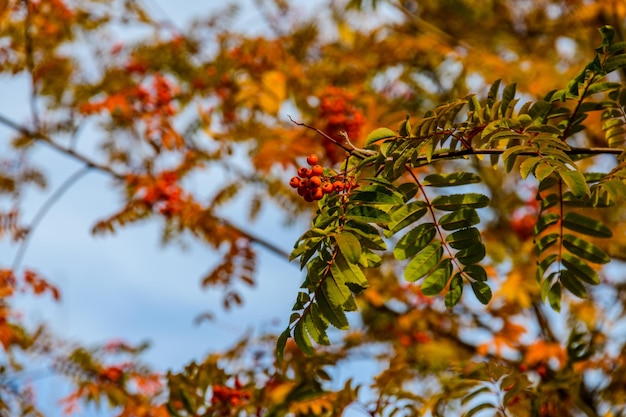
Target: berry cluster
[(312, 184), (338, 109)]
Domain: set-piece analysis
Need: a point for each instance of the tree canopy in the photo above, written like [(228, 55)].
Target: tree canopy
[(461, 164)]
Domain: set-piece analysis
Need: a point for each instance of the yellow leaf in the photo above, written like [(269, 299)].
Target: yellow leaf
[(274, 91), (315, 406), (346, 33), (518, 288)]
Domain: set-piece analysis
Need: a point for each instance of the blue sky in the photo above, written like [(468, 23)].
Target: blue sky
[(126, 286)]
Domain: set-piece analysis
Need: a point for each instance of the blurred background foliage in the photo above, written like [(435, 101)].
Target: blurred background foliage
[(155, 105)]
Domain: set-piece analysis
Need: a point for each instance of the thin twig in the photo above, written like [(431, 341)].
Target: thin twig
[(341, 145), (69, 152), (43, 210), (90, 164), (255, 239)]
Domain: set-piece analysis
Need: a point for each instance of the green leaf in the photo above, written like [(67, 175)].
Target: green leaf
[(493, 92), (539, 111), (422, 263), (575, 182), (572, 284), (580, 269), (459, 219), (545, 221), (367, 214), (546, 241), (313, 328), (529, 165), (370, 236), (455, 291), (302, 339), (508, 94), (509, 155), (406, 215), (471, 255), (585, 249), (464, 238), (437, 280), (408, 190), (334, 314), (554, 296), (458, 201), (475, 272), (404, 129), (585, 225), (348, 273), (379, 134), (414, 241), (601, 87), (482, 291), (336, 290), (281, 343), (449, 180), (614, 63), (349, 246), (379, 197), (479, 408), (543, 170)]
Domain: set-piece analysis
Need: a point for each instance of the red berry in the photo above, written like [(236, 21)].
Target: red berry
[(338, 186), (317, 194), (303, 172), (315, 181), (294, 182), (312, 159), (317, 170), (327, 188), (308, 197)]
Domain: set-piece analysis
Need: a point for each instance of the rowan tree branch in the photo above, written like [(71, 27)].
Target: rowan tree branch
[(91, 164)]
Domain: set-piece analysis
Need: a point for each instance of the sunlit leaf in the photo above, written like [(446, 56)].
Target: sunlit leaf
[(379, 134), (436, 281), (585, 249), (349, 246), (414, 241), (453, 179), (458, 201), (423, 262), (585, 225), (459, 219)]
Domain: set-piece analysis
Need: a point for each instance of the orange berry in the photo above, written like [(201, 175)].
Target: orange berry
[(317, 194), (294, 182), (327, 187), (317, 170), (338, 186), (312, 159), (315, 181), (303, 172)]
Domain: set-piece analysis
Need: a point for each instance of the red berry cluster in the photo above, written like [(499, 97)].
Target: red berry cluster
[(338, 109), (312, 184)]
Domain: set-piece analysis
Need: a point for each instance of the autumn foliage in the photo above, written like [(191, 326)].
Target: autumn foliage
[(460, 168)]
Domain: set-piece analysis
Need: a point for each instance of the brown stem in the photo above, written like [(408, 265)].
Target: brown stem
[(90, 164)]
